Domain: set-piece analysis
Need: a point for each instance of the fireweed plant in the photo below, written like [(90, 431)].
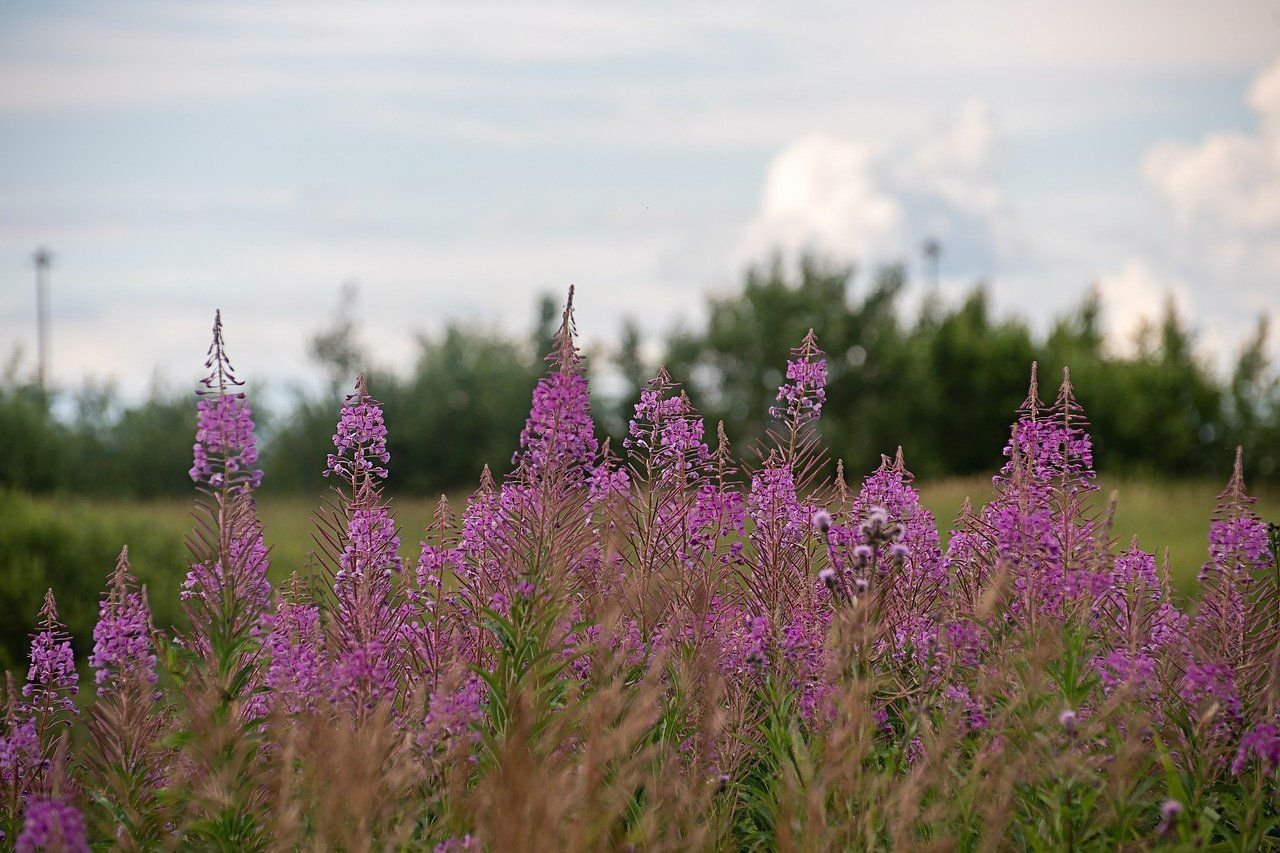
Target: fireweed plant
[(663, 645)]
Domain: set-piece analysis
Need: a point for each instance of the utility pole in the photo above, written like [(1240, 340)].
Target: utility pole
[(43, 259), (932, 250)]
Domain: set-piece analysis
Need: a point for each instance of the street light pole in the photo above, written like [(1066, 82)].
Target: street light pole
[(43, 259)]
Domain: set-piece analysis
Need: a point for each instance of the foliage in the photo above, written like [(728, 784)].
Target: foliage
[(664, 645), (956, 371), (43, 546), (102, 449), (897, 375)]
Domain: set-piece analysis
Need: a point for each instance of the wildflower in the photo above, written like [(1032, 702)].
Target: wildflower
[(805, 391), (1262, 743), (225, 451), (294, 646), (559, 433), (51, 677), (360, 442), (52, 825), (122, 638), (1067, 719), (1169, 811), (1214, 685)]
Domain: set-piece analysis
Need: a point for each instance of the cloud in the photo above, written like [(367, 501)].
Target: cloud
[(1222, 195), (825, 194), (1133, 298), (843, 197)]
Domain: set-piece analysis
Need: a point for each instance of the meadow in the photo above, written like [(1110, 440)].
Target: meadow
[(665, 645), (1163, 515)]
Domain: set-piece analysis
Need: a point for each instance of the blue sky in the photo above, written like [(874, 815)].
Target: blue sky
[(459, 159)]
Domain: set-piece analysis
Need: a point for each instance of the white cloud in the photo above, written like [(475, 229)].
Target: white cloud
[(845, 198), (1223, 196), (1135, 297), (825, 194)]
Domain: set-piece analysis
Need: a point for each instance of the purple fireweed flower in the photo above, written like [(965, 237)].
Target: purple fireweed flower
[(453, 716), (773, 504), (482, 533), (240, 575), (372, 625), (295, 649), (225, 450), (899, 537), (231, 566), (1263, 744), (718, 516), (360, 442), (52, 825), (51, 677), (1213, 684), (975, 716), (965, 643), (1119, 667), (1169, 811), (801, 397), (1239, 574), (607, 480), (373, 546), (434, 563), (559, 433), (19, 751), (744, 641), (370, 619), (361, 676), (667, 431), (803, 657), (757, 645), (122, 647), (1034, 527), (1054, 444)]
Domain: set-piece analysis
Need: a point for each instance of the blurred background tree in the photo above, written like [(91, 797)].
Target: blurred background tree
[(942, 380)]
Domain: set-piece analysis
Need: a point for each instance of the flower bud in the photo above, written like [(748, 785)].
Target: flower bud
[(1067, 719), (1169, 811), (822, 520)]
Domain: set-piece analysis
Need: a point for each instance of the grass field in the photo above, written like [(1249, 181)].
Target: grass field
[(1173, 515)]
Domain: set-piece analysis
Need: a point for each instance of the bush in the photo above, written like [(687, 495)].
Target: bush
[(46, 544)]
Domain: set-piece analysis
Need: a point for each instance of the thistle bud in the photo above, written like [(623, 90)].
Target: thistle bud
[(898, 554), (862, 555), (873, 527), (822, 521), (829, 580)]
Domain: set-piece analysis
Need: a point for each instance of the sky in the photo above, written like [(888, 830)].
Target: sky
[(457, 160)]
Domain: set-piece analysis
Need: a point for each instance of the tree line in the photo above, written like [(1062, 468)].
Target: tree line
[(941, 381)]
